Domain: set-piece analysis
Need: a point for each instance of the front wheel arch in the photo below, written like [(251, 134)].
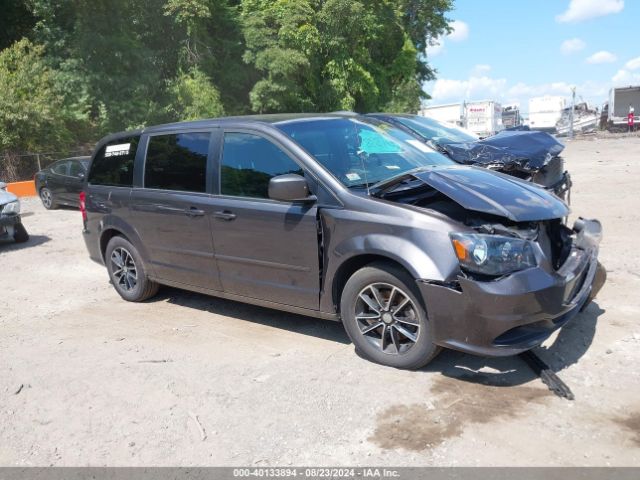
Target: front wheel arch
[(352, 265)]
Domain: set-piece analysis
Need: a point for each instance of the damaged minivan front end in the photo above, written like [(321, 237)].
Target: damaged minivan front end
[(520, 274)]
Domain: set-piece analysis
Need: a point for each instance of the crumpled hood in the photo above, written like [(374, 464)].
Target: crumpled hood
[(489, 192), (525, 150), (6, 197)]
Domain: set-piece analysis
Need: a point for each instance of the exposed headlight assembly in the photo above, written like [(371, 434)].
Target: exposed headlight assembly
[(492, 254), (12, 208)]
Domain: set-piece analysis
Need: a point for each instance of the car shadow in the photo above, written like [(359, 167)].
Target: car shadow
[(9, 245), (571, 343), (304, 325)]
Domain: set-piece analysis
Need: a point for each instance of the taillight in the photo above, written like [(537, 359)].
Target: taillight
[(83, 207)]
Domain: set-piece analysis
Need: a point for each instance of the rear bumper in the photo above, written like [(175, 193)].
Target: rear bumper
[(7, 225), (517, 312), (92, 241), (9, 220)]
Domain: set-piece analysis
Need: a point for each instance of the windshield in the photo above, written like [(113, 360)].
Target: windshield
[(361, 153), (437, 131)]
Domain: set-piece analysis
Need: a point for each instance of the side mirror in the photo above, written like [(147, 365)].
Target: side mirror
[(3, 186), (290, 188), (80, 176)]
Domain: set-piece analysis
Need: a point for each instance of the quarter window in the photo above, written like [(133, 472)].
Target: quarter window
[(249, 162), (177, 162), (60, 168), (75, 169), (113, 164)]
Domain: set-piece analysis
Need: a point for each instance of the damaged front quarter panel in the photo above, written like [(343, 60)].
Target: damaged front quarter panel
[(508, 314)]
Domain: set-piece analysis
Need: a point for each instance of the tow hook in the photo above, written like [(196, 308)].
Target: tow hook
[(548, 376)]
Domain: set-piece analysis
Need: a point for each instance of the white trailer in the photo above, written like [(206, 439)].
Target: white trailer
[(450, 113), (622, 101), (544, 112), (483, 118)]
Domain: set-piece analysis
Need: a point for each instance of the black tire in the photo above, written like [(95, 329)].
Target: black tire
[(46, 197), (399, 350), (130, 279), (20, 234)]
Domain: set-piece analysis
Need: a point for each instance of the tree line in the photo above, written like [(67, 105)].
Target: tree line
[(74, 70)]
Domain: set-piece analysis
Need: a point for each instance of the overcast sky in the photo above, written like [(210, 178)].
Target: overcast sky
[(510, 50)]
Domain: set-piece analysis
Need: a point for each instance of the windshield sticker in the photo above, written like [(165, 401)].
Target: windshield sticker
[(352, 177), (116, 150), (372, 142), (419, 145)]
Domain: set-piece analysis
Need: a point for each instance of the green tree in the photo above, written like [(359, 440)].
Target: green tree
[(32, 114), (193, 96), (340, 54)]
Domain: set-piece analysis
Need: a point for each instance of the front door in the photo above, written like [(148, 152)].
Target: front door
[(172, 211), (265, 249)]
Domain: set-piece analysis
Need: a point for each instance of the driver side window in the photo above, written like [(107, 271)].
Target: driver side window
[(249, 162)]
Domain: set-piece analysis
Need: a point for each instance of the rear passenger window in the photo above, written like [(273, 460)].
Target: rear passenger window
[(177, 162), (249, 162), (60, 168), (113, 164), (75, 169)]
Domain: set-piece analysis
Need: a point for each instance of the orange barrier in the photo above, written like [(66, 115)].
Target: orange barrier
[(22, 189)]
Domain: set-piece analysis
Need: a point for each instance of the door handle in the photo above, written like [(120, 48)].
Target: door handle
[(225, 215), (194, 212)]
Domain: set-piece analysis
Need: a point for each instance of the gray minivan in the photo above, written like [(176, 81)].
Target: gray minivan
[(337, 217)]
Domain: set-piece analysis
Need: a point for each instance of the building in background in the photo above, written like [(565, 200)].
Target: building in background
[(544, 112), (622, 102), (484, 118), (450, 113), (511, 116)]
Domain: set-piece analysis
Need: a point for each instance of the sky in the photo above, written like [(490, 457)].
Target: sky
[(511, 50)]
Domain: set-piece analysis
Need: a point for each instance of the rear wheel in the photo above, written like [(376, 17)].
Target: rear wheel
[(127, 272), (20, 234), (384, 318), (47, 198)]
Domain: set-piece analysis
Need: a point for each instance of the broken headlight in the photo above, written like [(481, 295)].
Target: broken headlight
[(492, 254)]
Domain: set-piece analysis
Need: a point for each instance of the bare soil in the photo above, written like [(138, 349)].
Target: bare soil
[(185, 379)]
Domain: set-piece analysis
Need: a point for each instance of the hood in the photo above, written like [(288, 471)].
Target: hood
[(484, 191), (520, 149)]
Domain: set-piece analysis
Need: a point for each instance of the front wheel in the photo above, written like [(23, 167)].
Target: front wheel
[(127, 272), (385, 320)]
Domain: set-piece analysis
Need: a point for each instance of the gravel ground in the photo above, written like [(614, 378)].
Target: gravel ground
[(185, 379)]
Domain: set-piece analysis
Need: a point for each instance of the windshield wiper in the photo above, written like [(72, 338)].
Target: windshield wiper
[(359, 185)]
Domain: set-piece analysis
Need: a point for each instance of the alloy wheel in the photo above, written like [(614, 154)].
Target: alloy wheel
[(124, 269), (387, 317), (45, 196)]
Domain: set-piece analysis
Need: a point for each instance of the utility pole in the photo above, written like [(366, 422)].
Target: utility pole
[(573, 105)]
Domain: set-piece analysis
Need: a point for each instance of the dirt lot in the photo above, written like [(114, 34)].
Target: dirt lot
[(185, 379)]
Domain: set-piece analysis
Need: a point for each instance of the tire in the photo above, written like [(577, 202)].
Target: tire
[(127, 271), (408, 343), (46, 197), (20, 234)]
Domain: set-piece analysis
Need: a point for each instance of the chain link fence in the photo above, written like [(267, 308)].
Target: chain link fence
[(16, 168)]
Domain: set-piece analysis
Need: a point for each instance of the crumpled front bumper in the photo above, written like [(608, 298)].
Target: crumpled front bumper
[(517, 312)]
